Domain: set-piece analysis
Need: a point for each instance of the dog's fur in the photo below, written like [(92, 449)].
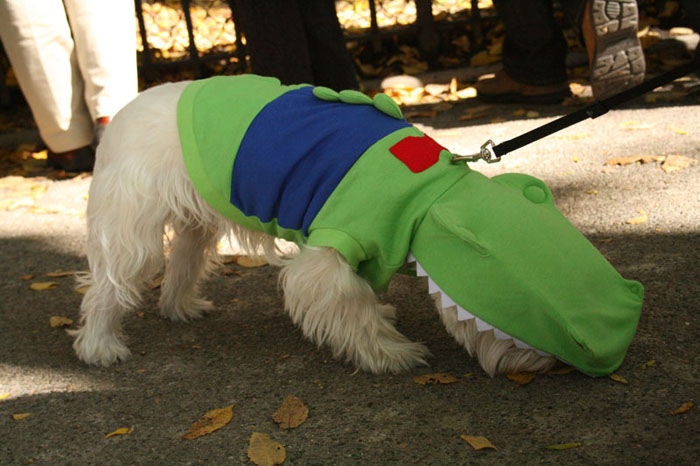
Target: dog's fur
[(140, 185)]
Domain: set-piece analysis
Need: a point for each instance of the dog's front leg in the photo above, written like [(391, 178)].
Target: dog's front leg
[(333, 305)]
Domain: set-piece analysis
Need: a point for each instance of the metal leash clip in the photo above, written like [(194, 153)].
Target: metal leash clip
[(486, 154)]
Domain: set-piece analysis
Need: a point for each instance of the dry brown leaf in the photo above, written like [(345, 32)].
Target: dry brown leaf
[(264, 451), (440, 377), (628, 160), (684, 408), (641, 218), (66, 273), (41, 286), (120, 431), (27, 277), (618, 378), (564, 446), (251, 262), (674, 163), (522, 378), (211, 421), (478, 442), (60, 321), (561, 370), (21, 416), (292, 413)]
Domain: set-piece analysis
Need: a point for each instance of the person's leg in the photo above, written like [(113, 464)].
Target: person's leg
[(38, 42), (534, 48), (330, 60), (105, 43)]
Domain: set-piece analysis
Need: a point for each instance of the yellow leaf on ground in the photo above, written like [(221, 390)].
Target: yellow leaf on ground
[(65, 273), (674, 163), (292, 413), (264, 451), (618, 378), (4, 396), (211, 421), (82, 289), (121, 431), (649, 363), (532, 114), (251, 262), (684, 408), (440, 377), (522, 378), (41, 286), (60, 321), (632, 125), (564, 446), (20, 416), (478, 442), (641, 218)]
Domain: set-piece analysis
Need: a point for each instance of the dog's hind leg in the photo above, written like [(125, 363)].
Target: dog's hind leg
[(125, 247), (193, 250), (333, 305)]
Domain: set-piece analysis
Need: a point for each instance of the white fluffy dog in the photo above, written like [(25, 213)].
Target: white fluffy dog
[(141, 184)]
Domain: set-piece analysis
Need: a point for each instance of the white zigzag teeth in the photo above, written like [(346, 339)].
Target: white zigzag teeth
[(445, 302)]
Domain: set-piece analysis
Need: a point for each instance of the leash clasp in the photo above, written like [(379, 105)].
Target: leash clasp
[(486, 154)]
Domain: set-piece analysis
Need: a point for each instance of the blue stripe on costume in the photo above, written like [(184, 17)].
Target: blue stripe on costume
[(296, 151)]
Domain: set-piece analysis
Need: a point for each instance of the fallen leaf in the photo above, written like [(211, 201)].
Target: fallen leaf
[(628, 160), (211, 421), (592, 191), (642, 218), (478, 442), (679, 131), (264, 451), (20, 416), (440, 377), (251, 262), (4, 396), (60, 321), (66, 273), (121, 431), (563, 446), (532, 114), (561, 371), (292, 413), (684, 408), (522, 378), (649, 363), (41, 286), (82, 289), (674, 163), (618, 378), (27, 277), (634, 125)]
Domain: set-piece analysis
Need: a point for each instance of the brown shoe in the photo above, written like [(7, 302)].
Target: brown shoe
[(502, 89), (609, 29)]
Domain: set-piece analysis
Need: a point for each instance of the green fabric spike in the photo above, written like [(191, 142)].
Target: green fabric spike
[(326, 93), (355, 97), (386, 104)]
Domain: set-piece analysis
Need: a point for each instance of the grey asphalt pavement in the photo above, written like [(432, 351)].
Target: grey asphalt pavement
[(248, 353)]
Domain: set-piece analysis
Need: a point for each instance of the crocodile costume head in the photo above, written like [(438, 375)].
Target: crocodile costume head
[(342, 170)]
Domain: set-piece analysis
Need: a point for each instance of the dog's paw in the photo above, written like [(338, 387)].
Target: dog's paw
[(186, 311), (390, 354), (104, 351)]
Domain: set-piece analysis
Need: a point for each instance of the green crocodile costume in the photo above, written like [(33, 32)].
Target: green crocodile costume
[(341, 170)]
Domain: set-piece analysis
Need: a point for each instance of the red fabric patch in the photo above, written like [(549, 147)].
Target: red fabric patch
[(417, 153)]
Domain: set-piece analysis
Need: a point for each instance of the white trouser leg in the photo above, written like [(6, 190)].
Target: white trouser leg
[(105, 39), (38, 42)]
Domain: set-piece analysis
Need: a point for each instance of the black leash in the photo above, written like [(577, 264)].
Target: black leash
[(492, 153)]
